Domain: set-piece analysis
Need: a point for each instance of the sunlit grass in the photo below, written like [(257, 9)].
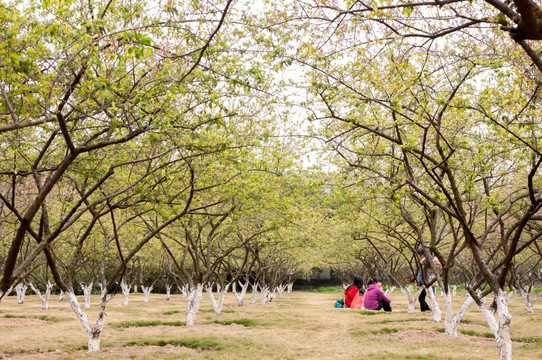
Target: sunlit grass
[(301, 325)]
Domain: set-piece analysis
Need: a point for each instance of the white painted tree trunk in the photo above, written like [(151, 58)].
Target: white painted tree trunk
[(4, 294), (217, 306), (290, 287), (437, 314), (93, 332), (44, 299), (194, 301), (450, 321), (411, 297), (146, 292), (500, 326), (254, 293), (527, 299), (103, 287), (21, 292), (168, 292), (61, 296), (281, 288), (184, 290), (265, 294), (135, 288), (125, 288), (389, 291), (240, 297), (454, 293), (87, 289)]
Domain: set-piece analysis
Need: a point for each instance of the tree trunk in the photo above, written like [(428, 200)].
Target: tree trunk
[(194, 301), (437, 314), (93, 332), (184, 290), (290, 287), (265, 294), (527, 299), (125, 288), (217, 306), (454, 290), (4, 294), (281, 289), (21, 292), (61, 296), (86, 291), (412, 298), (48, 289), (389, 291), (500, 326), (94, 341), (44, 299), (254, 293), (146, 292), (451, 322), (450, 326), (240, 297), (168, 292)]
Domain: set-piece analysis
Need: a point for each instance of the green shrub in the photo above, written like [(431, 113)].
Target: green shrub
[(327, 289)]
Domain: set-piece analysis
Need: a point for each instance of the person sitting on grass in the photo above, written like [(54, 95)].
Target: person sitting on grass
[(352, 291), (375, 298)]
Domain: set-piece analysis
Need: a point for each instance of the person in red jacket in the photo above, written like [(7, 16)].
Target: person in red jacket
[(375, 298), (352, 290)]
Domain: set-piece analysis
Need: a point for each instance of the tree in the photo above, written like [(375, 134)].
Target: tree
[(102, 107), (431, 112)]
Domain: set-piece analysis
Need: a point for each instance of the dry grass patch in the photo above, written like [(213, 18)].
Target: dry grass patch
[(301, 325)]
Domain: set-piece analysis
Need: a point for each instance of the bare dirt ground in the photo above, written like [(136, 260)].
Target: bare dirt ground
[(301, 325)]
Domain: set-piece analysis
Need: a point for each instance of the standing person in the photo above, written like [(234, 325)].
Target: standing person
[(352, 291), (375, 299), (419, 279)]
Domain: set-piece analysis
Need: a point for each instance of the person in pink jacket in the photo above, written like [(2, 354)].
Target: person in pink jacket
[(374, 296)]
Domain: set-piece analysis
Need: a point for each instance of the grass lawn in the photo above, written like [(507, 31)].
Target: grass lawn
[(300, 325)]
